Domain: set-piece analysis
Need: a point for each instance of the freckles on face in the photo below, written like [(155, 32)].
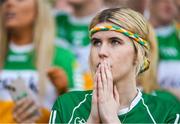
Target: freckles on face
[(18, 13), (115, 47)]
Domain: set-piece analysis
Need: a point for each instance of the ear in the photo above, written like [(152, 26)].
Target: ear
[(135, 59)]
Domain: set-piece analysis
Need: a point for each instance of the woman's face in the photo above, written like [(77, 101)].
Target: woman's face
[(164, 10), (18, 13), (115, 48)]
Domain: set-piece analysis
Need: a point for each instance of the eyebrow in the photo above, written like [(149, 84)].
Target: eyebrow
[(97, 39), (111, 38), (115, 38)]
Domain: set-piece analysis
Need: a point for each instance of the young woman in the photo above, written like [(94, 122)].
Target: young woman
[(27, 51), (119, 52)]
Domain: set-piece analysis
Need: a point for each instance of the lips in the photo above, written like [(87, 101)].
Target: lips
[(100, 63), (9, 15)]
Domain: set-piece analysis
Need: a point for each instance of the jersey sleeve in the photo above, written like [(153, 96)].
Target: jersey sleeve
[(174, 115), (66, 60), (56, 115)]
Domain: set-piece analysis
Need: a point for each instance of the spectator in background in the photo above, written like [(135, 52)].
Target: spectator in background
[(138, 5), (115, 3), (178, 18), (141, 6), (72, 33), (178, 13), (162, 15), (27, 51), (62, 6)]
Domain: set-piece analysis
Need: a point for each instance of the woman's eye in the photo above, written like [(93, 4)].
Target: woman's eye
[(96, 43), (115, 42)]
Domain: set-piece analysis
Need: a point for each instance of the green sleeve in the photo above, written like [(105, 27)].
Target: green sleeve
[(174, 115), (66, 60), (55, 116)]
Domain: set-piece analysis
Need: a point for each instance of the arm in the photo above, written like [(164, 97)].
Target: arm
[(59, 79)]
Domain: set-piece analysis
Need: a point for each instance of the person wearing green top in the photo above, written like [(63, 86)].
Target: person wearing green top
[(164, 94), (21, 58), (28, 52), (119, 53), (163, 13), (77, 111), (72, 33)]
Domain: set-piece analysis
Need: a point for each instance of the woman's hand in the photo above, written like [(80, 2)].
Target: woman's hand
[(105, 99), (108, 97), (94, 115), (59, 79), (26, 111)]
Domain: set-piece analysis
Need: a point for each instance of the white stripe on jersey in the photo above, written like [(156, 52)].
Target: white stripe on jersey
[(50, 119), (148, 111), (54, 117), (177, 119)]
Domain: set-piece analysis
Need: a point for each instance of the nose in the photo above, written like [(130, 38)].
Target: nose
[(103, 51), (9, 3)]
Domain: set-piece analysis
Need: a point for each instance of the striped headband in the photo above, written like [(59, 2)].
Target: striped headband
[(108, 27), (135, 37)]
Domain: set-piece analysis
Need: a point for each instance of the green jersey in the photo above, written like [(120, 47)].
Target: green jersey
[(72, 30), (20, 63), (166, 95), (72, 33), (169, 56), (75, 107)]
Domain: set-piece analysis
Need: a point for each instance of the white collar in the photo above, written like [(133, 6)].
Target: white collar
[(133, 104), (21, 49), (81, 21), (164, 31)]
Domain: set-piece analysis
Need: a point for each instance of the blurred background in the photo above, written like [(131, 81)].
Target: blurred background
[(46, 43)]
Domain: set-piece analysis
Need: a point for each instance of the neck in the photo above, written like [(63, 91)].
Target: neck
[(88, 8), (21, 36), (127, 90), (156, 23)]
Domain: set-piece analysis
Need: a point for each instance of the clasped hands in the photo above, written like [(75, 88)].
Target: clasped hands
[(105, 98)]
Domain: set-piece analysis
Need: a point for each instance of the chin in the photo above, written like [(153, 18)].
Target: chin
[(11, 25)]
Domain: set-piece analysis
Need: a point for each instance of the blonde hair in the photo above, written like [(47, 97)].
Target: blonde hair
[(131, 21), (43, 38), (148, 79)]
